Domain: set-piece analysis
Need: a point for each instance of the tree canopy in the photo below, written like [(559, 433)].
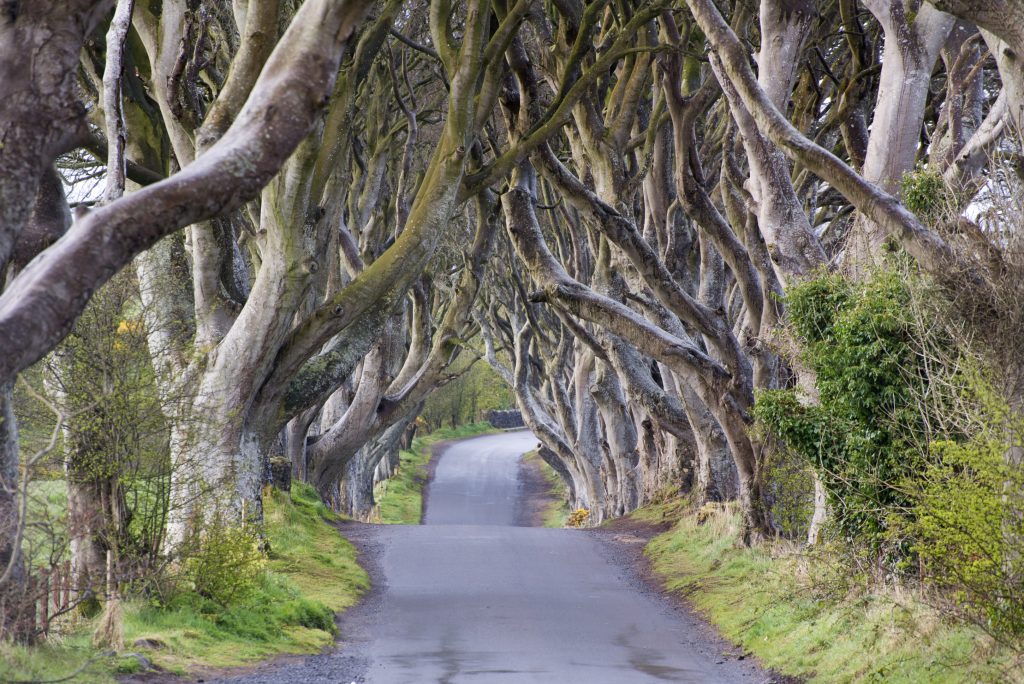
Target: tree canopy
[(671, 228)]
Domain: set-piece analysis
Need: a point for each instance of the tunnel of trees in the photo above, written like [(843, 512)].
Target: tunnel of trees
[(756, 252)]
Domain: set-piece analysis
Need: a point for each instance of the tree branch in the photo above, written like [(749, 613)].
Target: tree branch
[(40, 305)]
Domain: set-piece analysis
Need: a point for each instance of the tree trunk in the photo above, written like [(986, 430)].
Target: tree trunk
[(820, 511), (356, 500), (216, 464), (361, 471), (12, 570), (715, 476), (40, 113), (97, 515), (622, 440), (912, 46), (295, 438)]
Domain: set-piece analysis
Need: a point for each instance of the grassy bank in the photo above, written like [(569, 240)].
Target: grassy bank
[(311, 573), (557, 512), (400, 499), (803, 617)]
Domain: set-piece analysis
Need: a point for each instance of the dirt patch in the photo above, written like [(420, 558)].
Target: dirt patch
[(641, 529), (536, 495), (625, 539)]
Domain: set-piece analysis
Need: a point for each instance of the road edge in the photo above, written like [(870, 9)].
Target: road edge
[(625, 541)]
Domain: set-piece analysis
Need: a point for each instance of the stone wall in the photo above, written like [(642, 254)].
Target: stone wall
[(506, 419)]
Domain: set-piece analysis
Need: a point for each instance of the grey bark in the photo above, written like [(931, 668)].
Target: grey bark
[(12, 567), (39, 305), (913, 42)]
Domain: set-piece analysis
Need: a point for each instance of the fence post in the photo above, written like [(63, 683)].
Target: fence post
[(44, 626), (67, 586)]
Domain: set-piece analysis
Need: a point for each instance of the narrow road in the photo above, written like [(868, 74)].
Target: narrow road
[(476, 482), (469, 598)]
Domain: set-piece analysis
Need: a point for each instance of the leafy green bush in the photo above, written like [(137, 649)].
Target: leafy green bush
[(919, 455), (863, 437), (968, 526), (924, 193), (227, 563)]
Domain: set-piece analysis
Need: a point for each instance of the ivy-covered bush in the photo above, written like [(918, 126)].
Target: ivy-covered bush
[(920, 457), (863, 435)]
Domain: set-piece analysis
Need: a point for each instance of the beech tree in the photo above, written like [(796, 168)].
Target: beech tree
[(758, 220), (330, 207), (42, 117)]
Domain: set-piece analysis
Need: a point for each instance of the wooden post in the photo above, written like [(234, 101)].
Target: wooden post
[(56, 585), (110, 573), (67, 586), (44, 626)]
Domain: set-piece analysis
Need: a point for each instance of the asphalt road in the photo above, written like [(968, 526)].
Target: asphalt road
[(476, 482), (467, 598)]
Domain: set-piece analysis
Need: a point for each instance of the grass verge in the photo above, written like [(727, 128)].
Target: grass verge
[(311, 574), (400, 498), (772, 601), (557, 512)]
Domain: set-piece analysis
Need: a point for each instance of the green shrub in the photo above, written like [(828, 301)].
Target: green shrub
[(968, 527), (227, 562), (814, 305), (918, 454), (924, 193), (863, 436)]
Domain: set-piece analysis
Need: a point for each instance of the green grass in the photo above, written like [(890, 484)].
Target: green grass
[(311, 574), (400, 499), (309, 551), (771, 601), (557, 511)]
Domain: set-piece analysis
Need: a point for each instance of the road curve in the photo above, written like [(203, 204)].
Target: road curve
[(476, 482), (487, 602)]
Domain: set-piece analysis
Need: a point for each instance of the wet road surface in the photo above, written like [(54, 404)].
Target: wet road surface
[(467, 598), (477, 481)]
